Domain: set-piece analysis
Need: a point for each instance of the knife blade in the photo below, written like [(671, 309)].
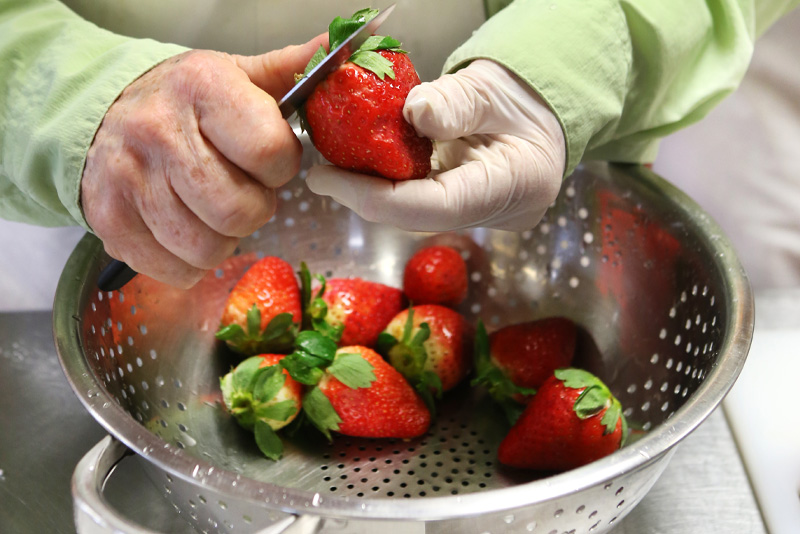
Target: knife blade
[(117, 273), (303, 89)]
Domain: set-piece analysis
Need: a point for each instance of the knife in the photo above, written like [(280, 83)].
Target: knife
[(117, 273)]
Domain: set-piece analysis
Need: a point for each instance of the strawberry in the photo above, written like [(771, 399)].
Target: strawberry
[(436, 275), (431, 345), (572, 420), (262, 313), (355, 116), (386, 407), (363, 308), (263, 398), (517, 359)]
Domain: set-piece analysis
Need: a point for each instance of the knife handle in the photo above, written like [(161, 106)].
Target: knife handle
[(115, 275)]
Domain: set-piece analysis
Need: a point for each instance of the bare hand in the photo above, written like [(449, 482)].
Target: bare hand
[(187, 160)]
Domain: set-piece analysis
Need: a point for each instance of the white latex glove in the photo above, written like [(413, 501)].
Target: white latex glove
[(499, 151)]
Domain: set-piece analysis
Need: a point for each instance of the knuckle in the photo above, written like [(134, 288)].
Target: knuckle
[(278, 155), (240, 219)]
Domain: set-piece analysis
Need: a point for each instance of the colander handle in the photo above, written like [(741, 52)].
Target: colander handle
[(93, 514)]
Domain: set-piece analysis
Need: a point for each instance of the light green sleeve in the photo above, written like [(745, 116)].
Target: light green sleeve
[(622, 74), (58, 76)]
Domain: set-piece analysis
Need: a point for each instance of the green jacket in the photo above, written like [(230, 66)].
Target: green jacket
[(620, 75)]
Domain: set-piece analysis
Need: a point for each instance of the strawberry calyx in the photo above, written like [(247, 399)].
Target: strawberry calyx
[(595, 398), (499, 386), (278, 336), (316, 357), (249, 393), (315, 310), (350, 369), (408, 355), (366, 56)]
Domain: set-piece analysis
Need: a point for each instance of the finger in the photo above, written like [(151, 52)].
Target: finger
[(176, 228), (274, 71), (478, 191), (221, 195), (244, 123), (126, 237), (450, 107), (482, 98), (152, 259)]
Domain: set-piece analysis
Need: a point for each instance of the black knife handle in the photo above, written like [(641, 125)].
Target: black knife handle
[(115, 275)]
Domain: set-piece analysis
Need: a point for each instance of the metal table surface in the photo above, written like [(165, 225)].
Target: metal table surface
[(44, 431)]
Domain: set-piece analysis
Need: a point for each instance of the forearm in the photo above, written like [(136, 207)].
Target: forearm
[(58, 76), (621, 74)]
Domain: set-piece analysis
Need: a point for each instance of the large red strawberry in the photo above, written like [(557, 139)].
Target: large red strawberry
[(350, 403), (517, 359), (355, 116), (263, 398), (362, 307), (436, 275), (431, 345), (263, 310), (572, 420)]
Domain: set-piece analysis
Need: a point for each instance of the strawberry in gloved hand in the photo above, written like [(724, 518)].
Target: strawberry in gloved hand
[(500, 158), (355, 116)]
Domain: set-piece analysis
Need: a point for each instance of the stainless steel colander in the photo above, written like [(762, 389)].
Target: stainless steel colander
[(666, 315)]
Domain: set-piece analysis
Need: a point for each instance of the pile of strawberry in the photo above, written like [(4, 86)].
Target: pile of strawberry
[(357, 358)]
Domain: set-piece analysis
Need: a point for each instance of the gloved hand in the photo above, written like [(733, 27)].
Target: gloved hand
[(500, 154), (186, 161)]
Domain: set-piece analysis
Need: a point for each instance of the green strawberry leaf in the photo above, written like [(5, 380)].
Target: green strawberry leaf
[(427, 396), (340, 28), (245, 373), (320, 412), (381, 42), (268, 441), (576, 378), (611, 417), (232, 332), (353, 371), (226, 387), (253, 321), (374, 62), (482, 354), (269, 382), (429, 387), (385, 343), (303, 367), (512, 410), (591, 401), (278, 326), (280, 411), (316, 344), (409, 355), (315, 60), (328, 330)]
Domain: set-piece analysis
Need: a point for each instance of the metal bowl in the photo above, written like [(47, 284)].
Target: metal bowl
[(666, 315)]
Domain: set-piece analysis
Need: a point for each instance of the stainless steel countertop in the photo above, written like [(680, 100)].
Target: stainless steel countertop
[(44, 431)]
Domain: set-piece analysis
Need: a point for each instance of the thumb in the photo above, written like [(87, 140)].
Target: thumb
[(274, 71), (450, 107)]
